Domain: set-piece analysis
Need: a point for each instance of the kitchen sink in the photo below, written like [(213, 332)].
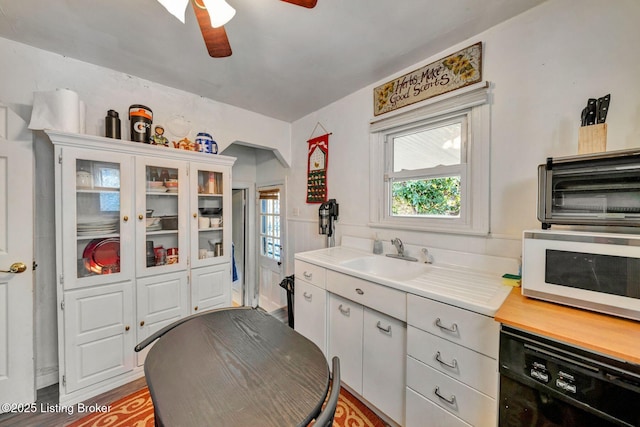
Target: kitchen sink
[(390, 268)]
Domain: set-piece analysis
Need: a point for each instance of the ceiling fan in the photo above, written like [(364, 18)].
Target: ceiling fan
[(212, 15)]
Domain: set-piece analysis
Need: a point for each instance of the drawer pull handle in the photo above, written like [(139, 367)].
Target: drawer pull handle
[(307, 296), (450, 401), (453, 328), (307, 275), (452, 365), (343, 311), (359, 291), (386, 330)]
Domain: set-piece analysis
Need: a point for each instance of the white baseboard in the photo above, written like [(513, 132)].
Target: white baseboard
[(46, 377)]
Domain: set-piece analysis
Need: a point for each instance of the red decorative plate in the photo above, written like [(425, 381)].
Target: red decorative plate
[(101, 253)]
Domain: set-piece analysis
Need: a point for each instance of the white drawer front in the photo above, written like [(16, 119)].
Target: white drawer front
[(475, 331), (461, 400), (310, 273), (421, 412), (379, 297), (468, 366)]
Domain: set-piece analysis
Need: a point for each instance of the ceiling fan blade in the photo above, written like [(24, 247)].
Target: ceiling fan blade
[(304, 3), (214, 38)]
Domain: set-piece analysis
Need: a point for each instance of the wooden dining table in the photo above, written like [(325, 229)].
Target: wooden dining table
[(234, 367)]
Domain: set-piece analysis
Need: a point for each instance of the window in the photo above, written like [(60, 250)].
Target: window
[(108, 176), (430, 167), (426, 169), (270, 244)]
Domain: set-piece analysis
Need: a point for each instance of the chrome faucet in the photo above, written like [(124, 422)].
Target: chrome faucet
[(400, 248)]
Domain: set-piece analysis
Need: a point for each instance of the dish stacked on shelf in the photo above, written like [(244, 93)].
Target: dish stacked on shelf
[(153, 224), (156, 187), (92, 225), (172, 185)]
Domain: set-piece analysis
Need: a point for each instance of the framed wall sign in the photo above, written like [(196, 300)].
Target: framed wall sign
[(457, 70), (317, 162)]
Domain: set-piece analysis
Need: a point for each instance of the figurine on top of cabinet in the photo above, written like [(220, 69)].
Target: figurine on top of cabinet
[(158, 138), (185, 144)]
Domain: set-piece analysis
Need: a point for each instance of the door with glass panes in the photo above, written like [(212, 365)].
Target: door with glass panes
[(161, 216), (97, 216), (270, 251)]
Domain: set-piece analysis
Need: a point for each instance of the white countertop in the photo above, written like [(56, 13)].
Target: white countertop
[(479, 291)]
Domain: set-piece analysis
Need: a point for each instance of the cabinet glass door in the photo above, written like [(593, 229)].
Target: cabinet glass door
[(210, 232), (100, 225), (162, 230)]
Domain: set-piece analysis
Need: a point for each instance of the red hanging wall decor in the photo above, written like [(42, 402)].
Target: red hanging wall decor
[(318, 157)]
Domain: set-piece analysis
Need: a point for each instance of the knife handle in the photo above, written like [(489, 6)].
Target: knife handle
[(603, 108), (591, 111)]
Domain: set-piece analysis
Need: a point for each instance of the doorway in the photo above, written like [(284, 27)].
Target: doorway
[(239, 239)]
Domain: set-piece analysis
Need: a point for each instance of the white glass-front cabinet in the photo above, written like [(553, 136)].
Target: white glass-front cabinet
[(142, 239), (95, 266), (210, 237)]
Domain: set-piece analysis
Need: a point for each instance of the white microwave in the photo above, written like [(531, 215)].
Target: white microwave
[(593, 271)]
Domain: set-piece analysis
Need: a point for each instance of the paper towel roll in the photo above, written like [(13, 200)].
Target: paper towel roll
[(56, 109), (82, 115)]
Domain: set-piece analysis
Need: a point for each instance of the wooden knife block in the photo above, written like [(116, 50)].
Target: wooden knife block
[(592, 139)]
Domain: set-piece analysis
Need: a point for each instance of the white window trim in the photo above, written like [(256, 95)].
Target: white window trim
[(474, 215)]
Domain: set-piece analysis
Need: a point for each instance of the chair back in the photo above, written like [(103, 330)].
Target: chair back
[(325, 419)]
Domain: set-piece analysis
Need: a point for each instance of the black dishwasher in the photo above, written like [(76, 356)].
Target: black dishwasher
[(549, 383)]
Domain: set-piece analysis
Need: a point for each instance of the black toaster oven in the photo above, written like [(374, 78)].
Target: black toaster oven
[(590, 189)]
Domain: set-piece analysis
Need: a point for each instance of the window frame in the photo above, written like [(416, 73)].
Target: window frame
[(472, 104)]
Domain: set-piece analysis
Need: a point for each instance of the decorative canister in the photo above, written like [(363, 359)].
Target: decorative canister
[(112, 125), (204, 142), (172, 255), (161, 255), (84, 179), (151, 255), (141, 118)]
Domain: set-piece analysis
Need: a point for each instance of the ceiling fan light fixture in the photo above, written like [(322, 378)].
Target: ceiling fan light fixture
[(220, 12), (175, 7)]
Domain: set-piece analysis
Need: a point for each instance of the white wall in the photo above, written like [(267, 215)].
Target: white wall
[(543, 66), (27, 69)]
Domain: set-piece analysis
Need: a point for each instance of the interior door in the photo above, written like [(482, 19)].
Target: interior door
[(270, 251), (17, 377)]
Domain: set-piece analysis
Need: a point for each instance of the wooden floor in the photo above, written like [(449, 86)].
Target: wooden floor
[(47, 397)]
